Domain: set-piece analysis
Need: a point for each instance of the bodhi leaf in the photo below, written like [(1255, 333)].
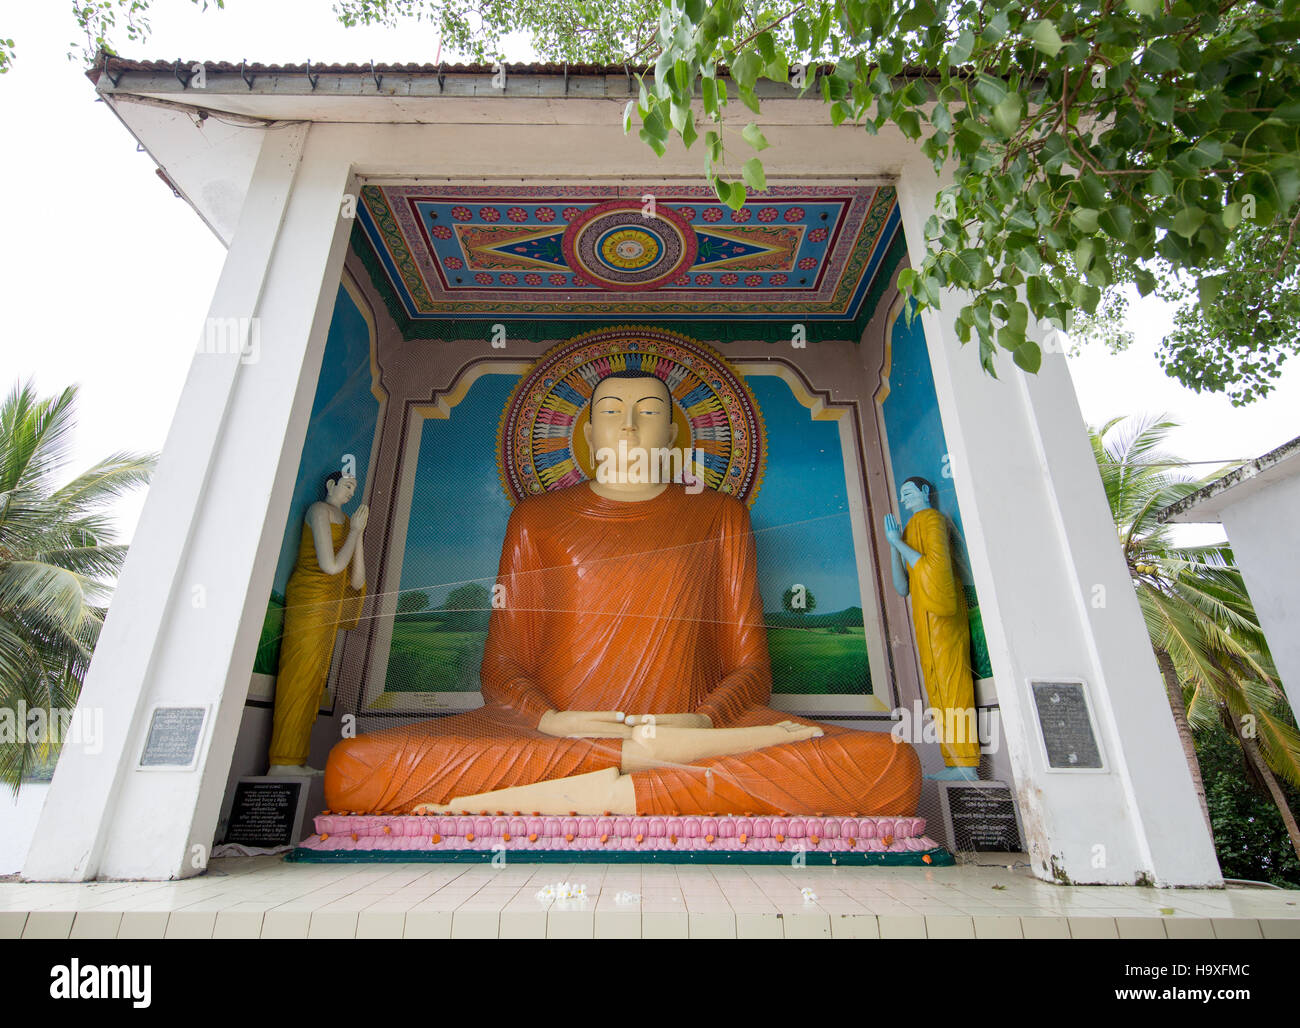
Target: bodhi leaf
[(753, 135), (1044, 36)]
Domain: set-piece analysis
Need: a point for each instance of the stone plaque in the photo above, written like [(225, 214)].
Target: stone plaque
[(1066, 724), (981, 817), (174, 737), (265, 813)]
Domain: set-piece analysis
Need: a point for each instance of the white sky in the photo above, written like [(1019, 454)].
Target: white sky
[(106, 277)]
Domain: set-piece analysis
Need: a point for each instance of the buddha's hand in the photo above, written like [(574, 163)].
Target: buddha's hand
[(359, 518), (584, 724), (673, 720), (661, 747), (892, 531)]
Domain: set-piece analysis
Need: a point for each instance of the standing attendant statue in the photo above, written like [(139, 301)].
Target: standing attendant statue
[(922, 566), (323, 596)]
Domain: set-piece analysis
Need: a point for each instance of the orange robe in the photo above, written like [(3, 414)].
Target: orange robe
[(649, 607)]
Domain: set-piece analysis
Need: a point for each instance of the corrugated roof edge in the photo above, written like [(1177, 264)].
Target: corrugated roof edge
[(106, 62), (109, 62), (1238, 476)]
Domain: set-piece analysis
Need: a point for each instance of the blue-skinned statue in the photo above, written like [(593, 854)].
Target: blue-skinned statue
[(921, 561)]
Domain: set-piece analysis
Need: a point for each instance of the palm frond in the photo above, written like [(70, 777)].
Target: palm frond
[(107, 480), (58, 558), (1280, 743), (35, 435)]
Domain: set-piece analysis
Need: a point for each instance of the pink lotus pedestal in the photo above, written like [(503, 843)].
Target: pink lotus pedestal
[(870, 840)]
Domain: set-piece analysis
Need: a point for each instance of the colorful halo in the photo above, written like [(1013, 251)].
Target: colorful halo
[(539, 444)]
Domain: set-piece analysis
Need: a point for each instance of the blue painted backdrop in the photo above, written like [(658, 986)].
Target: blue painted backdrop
[(916, 445), (343, 420), (458, 520)]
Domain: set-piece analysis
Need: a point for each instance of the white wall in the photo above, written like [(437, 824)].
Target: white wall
[(1262, 532), (18, 819)]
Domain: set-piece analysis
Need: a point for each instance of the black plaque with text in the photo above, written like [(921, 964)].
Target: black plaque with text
[(1066, 725), (262, 814), (983, 819), (174, 734)]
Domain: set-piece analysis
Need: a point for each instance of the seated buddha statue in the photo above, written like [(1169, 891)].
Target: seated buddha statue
[(627, 670)]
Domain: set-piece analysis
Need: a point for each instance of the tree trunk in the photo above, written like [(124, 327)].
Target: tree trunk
[(1251, 748), (1175, 691)]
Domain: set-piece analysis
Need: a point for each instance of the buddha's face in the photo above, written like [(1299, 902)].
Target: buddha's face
[(338, 493), (634, 411), (913, 498)]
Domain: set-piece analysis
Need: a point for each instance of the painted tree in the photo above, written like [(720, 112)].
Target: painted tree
[(1204, 631), (58, 557), (411, 601), (798, 600), (468, 607)]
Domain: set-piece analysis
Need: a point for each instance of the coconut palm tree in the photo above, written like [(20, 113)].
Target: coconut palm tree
[(58, 558), (1206, 637)]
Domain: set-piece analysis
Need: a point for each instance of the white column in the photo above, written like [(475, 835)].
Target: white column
[(184, 623), (1058, 603), (1261, 529)]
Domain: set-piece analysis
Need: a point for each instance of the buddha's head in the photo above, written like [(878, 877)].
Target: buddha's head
[(633, 408), (915, 494), (339, 488)]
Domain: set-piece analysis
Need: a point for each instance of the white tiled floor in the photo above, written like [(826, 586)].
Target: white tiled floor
[(265, 897)]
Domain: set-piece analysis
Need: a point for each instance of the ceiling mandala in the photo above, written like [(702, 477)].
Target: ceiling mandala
[(602, 251)]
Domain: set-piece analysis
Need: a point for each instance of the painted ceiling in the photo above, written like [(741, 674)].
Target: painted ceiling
[(573, 252)]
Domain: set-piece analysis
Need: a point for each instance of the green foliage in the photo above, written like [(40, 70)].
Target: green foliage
[(57, 558), (1233, 326), (1249, 836), (1089, 144), (602, 31), (1086, 139), (1238, 323), (99, 20)]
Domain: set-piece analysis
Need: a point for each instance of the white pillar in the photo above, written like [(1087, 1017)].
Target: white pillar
[(1261, 529), (1058, 604), (184, 624)]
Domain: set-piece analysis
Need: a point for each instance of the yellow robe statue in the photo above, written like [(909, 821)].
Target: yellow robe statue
[(317, 606), (942, 625)]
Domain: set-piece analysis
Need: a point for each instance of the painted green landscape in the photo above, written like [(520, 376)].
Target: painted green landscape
[(267, 661), (818, 654), (429, 656), (441, 650)]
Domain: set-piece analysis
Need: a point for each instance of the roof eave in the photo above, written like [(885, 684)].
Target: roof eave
[(1207, 504)]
